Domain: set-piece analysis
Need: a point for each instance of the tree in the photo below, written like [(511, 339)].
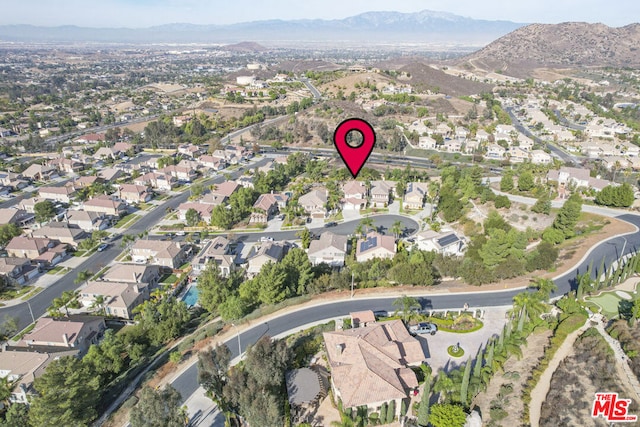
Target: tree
[(44, 211), (66, 300), (406, 305), (213, 365), (423, 410), (542, 205), (83, 277), (616, 196), (305, 236), (109, 358), (193, 217), (502, 202), (158, 409), (397, 229), (391, 412), (568, 216), (367, 223), (506, 182), (67, 394), (17, 415), (447, 415), (464, 386), (525, 181), (8, 232)]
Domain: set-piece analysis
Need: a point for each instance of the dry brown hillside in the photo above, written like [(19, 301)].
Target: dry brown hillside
[(569, 44), (425, 77)]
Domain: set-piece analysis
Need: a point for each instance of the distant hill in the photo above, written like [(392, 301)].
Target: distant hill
[(569, 44), (424, 77), (368, 28)]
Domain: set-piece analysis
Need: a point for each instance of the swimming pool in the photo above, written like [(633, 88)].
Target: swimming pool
[(191, 297)]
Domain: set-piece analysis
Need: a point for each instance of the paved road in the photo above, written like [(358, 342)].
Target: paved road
[(40, 302), (564, 156), (610, 250), (316, 94)]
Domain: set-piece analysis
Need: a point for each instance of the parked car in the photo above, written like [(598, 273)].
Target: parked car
[(381, 313), (103, 247), (180, 233), (266, 239), (423, 328), (331, 224)]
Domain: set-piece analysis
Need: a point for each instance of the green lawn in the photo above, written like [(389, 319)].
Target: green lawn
[(170, 279), (129, 219), (12, 293), (608, 301)]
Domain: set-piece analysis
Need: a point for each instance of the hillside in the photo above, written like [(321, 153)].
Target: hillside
[(424, 76), (571, 44)]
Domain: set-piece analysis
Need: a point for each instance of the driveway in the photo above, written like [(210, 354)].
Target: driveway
[(351, 214), (436, 345)]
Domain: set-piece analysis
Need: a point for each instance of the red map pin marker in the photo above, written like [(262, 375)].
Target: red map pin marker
[(354, 157)]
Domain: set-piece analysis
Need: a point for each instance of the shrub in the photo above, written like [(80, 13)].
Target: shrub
[(502, 202)]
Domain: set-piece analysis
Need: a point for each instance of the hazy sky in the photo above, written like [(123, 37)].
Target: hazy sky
[(145, 13)]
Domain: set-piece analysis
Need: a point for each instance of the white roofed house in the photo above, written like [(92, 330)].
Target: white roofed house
[(495, 151), (445, 242), (216, 252), (426, 143), (518, 155), (330, 249), (540, 157)]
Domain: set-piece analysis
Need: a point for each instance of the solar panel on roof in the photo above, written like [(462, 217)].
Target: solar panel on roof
[(447, 240), (371, 242)]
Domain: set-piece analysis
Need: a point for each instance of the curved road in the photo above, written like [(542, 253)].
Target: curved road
[(187, 383)]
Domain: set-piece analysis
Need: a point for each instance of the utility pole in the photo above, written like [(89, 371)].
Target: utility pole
[(31, 311)]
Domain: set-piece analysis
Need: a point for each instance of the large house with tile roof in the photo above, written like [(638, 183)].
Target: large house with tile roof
[(162, 253), (370, 365)]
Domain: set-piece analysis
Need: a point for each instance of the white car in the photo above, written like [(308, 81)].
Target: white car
[(266, 239)]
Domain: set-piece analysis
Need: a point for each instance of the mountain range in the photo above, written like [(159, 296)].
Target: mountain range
[(423, 27)]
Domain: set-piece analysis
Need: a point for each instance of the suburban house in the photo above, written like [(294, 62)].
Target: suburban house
[(62, 232), (575, 177), (330, 249), (444, 242), (87, 220), (157, 181), (106, 205), (540, 157), (27, 247), (59, 194), (118, 299), (66, 166), (22, 368), (355, 195), (110, 174), (225, 189), (215, 251), (135, 193), (124, 147), (370, 365), (180, 173), (15, 216), (426, 143), (37, 172), (381, 192), (103, 153), (190, 150), (375, 245), (84, 181), (74, 332), (212, 162), (495, 151), (133, 273), (213, 199), (17, 271), (203, 209), (314, 202), (266, 206), (167, 254), (12, 180), (266, 252), (414, 195), (361, 319)]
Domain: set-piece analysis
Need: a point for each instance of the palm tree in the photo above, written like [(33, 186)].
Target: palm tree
[(397, 229), (545, 288), (5, 390), (367, 223), (406, 305), (98, 303), (127, 239), (530, 302), (83, 277)]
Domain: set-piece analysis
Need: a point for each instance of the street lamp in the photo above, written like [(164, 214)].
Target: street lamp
[(238, 333), (31, 311), (623, 247)]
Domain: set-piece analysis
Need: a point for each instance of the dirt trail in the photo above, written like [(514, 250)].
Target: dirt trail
[(539, 393)]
